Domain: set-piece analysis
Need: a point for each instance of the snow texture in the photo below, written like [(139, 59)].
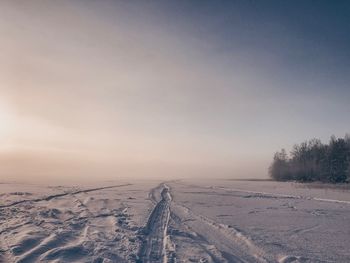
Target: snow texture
[(174, 221)]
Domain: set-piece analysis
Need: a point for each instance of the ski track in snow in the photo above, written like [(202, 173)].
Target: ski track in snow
[(275, 195), (231, 243), (48, 198), (153, 249)]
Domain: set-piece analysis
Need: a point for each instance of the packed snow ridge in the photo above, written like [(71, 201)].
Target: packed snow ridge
[(154, 246)]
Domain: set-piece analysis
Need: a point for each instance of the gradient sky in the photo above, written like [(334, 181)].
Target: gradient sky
[(110, 89)]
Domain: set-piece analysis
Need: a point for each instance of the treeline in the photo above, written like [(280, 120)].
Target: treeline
[(314, 161)]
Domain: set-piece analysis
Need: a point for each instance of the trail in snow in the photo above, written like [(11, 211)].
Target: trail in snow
[(154, 246), (281, 232), (231, 243), (48, 198), (219, 242), (257, 194)]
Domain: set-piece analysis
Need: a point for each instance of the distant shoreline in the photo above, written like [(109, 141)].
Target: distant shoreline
[(249, 179), (317, 185)]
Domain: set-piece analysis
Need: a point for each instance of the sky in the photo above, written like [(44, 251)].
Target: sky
[(163, 89)]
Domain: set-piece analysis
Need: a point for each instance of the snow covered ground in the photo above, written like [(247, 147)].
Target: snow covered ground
[(174, 221)]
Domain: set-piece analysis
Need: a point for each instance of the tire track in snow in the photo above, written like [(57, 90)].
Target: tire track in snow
[(229, 241), (153, 249), (48, 198), (258, 194), (281, 196), (191, 246), (234, 245)]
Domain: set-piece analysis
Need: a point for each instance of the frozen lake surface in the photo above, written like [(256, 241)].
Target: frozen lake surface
[(174, 221)]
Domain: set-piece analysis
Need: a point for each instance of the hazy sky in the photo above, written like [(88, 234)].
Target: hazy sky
[(108, 89)]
